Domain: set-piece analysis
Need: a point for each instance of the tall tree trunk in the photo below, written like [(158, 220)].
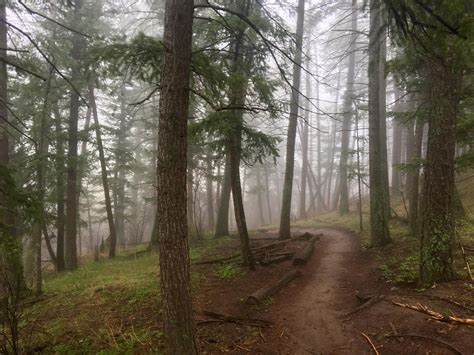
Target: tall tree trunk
[(414, 141), (237, 98), (333, 144), (172, 153), (258, 178), (379, 206), (347, 116), (210, 194), (293, 120), (103, 170), (396, 144), (438, 220), (72, 157), (222, 222), (41, 161), (60, 168), (304, 129), (267, 194)]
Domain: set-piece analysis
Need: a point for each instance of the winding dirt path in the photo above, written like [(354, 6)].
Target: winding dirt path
[(310, 315), (314, 322)]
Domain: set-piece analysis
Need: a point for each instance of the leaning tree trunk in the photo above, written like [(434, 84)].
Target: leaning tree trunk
[(103, 170), (72, 157), (347, 117), (379, 206), (293, 120), (237, 98), (438, 220), (175, 278)]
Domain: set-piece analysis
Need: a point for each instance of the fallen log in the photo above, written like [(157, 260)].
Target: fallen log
[(302, 256), (227, 318), (435, 315), (257, 251), (275, 259), (219, 260), (269, 290)]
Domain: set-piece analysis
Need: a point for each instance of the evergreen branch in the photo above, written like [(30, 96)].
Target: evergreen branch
[(33, 12), (44, 55), (19, 67)]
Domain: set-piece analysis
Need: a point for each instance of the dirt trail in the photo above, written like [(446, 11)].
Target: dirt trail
[(314, 320), (310, 316)]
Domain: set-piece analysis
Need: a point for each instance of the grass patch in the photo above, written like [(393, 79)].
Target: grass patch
[(228, 271)]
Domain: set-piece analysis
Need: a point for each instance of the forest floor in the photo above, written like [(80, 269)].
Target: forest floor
[(110, 307), (312, 315)]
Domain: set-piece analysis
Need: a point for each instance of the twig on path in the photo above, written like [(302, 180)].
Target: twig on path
[(449, 346), (435, 315), (449, 300), (371, 343)]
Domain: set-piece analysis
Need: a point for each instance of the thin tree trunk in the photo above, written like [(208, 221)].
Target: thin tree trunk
[(41, 161), (379, 206), (60, 167), (347, 116), (396, 144), (293, 120), (210, 195), (222, 222), (72, 157), (414, 141), (259, 196), (304, 129), (103, 170), (267, 194), (178, 325)]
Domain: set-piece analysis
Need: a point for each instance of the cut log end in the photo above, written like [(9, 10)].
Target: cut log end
[(302, 256)]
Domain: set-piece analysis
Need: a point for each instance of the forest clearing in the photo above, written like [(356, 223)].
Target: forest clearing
[(236, 176)]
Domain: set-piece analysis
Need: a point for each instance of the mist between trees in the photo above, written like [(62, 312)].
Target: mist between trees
[(162, 123)]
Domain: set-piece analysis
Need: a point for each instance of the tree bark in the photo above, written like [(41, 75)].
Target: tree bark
[(177, 310), (438, 221), (103, 170), (293, 120), (379, 206)]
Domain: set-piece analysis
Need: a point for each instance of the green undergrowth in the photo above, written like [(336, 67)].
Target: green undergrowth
[(228, 271), (108, 306)]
